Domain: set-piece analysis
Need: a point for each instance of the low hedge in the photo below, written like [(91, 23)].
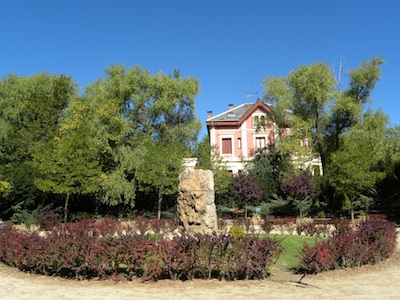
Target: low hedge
[(85, 250), (368, 243)]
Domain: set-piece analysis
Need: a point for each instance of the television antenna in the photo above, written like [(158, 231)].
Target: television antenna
[(248, 95)]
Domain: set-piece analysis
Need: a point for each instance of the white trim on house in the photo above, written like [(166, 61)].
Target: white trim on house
[(222, 136)]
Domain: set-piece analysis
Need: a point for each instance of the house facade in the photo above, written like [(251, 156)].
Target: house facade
[(238, 132)]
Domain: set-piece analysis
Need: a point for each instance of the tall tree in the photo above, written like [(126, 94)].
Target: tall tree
[(315, 106), (305, 93), (29, 111), (69, 164), (159, 170), (134, 110), (349, 104), (355, 166)]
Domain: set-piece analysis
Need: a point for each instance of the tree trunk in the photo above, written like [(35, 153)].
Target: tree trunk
[(301, 217), (352, 215), (160, 196), (66, 208)]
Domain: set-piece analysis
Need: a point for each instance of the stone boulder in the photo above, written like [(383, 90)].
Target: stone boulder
[(196, 207)]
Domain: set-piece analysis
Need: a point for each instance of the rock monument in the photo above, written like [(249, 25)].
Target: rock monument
[(196, 207)]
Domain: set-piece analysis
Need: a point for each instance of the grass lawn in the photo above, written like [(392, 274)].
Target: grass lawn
[(292, 244)]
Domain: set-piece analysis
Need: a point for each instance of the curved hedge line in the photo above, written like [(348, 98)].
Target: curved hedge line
[(83, 251)]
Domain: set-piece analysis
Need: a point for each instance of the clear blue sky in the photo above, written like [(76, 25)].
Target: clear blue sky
[(231, 46)]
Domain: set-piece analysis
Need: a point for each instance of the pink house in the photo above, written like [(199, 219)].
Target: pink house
[(239, 131)]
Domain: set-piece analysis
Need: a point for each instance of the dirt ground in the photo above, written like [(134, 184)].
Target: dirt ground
[(380, 281)]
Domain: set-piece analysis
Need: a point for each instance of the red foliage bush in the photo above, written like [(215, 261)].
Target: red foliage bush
[(267, 225), (48, 220), (88, 249), (370, 242), (317, 258), (285, 224)]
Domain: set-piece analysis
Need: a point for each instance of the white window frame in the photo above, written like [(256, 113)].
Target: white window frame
[(227, 136)]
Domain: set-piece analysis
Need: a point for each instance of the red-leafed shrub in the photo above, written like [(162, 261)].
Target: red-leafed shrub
[(175, 259), (342, 225), (267, 225), (317, 258), (368, 243), (244, 223), (48, 220), (285, 225), (142, 224), (88, 249), (157, 225), (107, 226)]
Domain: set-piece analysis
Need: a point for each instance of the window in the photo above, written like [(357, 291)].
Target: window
[(239, 143), (226, 146), (260, 143), (259, 121)]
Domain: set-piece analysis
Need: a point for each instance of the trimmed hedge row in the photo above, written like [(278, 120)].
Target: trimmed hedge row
[(370, 242), (84, 250)]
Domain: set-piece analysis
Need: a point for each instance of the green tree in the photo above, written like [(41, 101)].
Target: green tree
[(159, 170), (29, 111), (306, 94), (355, 166), (349, 104), (269, 169), (135, 109), (209, 159), (69, 164), (315, 106)]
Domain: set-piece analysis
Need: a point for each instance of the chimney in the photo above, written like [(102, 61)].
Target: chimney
[(209, 114), (230, 106)]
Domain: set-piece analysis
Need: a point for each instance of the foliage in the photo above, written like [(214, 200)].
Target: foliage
[(317, 108), (69, 163), (268, 168), (305, 93), (355, 165), (55, 141), (267, 225), (300, 189), (30, 108), (85, 250), (4, 185), (209, 159), (285, 225), (133, 110), (48, 220), (245, 188), (159, 170), (237, 232), (370, 242), (24, 216)]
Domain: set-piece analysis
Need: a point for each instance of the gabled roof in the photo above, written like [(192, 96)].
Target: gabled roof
[(238, 115)]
